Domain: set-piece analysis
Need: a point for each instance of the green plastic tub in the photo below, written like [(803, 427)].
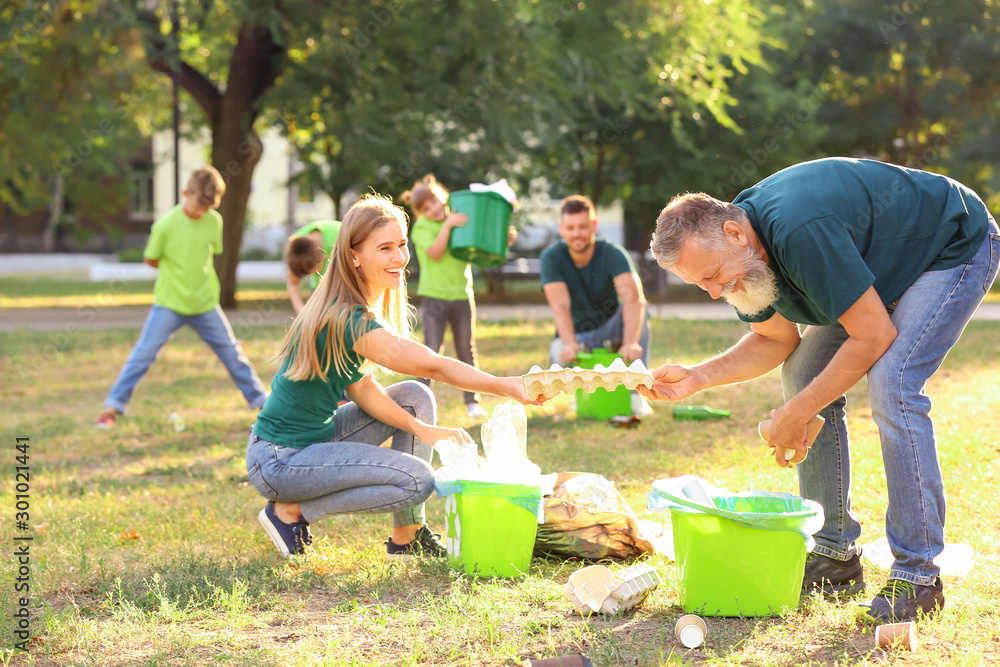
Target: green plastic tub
[(489, 532), (483, 239), (601, 404), (728, 569)]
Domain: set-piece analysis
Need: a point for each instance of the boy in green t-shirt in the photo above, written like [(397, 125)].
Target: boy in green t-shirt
[(308, 253), (181, 245)]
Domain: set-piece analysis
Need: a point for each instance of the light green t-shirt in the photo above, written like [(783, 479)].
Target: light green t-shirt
[(449, 278), (186, 282), (300, 413), (329, 229)]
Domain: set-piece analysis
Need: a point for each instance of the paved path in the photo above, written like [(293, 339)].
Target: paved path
[(72, 319)]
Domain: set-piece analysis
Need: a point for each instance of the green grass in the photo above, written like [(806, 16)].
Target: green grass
[(147, 550)]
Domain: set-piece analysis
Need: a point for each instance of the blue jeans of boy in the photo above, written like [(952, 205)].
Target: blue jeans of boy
[(612, 330), (214, 329), (929, 318), (352, 474)]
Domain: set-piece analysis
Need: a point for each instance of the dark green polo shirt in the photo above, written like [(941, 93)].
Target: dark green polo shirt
[(834, 227), (300, 413), (592, 293)]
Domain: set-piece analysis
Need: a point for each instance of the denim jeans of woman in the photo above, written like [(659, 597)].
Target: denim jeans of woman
[(929, 318), (352, 474)]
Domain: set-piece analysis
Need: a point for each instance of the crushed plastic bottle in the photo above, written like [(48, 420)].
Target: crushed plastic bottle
[(505, 435), (591, 491), (178, 421), (505, 445), (458, 456)]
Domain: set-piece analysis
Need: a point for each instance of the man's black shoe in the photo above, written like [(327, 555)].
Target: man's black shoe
[(900, 601), (833, 578)]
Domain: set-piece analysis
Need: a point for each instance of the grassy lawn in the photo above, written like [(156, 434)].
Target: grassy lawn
[(147, 550)]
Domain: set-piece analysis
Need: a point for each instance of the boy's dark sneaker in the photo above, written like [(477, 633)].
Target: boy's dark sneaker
[(290, 538), (900, 601), (832, 577), (424, 544)]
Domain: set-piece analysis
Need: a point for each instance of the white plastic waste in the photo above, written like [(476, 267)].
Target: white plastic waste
[(505, 445), (591, 491), (596, 589), (177, 420), (459, 456), (501, 187), (660, 535), (956, 560)]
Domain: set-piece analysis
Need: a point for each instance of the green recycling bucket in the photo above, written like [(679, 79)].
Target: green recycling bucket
[(489, 532), (728, 569), (483, 239), (601, 403)]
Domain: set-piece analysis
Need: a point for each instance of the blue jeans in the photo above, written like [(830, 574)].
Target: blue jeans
[(214, 329), (612, 330), (929, 318), (352, 474)]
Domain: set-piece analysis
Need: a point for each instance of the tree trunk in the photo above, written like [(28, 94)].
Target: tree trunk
[(255, 64), (235, 153), (55, 215)]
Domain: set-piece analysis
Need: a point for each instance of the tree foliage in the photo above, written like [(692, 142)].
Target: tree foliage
[(73, 99), (916, 83)]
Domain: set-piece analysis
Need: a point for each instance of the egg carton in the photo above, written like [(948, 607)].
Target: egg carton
[(596, 589), (557, 379)]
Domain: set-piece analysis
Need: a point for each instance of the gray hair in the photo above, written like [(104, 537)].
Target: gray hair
[(691, 215)]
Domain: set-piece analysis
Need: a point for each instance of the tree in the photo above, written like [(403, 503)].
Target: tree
[(406, 88), (915, 83), (73, 100), (230, 58), (640, 79)]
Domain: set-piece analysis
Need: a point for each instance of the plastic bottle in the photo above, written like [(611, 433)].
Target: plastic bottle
[(177, 420), (700, 412)]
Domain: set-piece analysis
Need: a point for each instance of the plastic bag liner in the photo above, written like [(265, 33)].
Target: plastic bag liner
[(765, 510), (528, 496), (592, 522)]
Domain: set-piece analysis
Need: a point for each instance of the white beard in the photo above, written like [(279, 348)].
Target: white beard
[(760, 288)]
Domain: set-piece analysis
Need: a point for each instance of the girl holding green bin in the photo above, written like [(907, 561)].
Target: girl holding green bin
[(311, 458), (445, 285)]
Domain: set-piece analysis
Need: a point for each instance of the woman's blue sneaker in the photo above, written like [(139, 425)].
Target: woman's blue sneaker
[(290, 538)]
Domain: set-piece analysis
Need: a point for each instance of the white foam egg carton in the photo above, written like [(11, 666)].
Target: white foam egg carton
[(557, 379), (596, 589)]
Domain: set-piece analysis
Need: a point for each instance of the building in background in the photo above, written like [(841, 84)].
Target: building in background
[(274, 209)]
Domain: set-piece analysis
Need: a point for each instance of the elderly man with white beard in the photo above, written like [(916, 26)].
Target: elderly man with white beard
[(843, 268)]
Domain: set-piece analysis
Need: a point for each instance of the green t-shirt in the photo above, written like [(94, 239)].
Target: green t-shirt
[(449, 278), (300, 413), (329, 229), (186, 282), (832, 228), (592, 293)]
